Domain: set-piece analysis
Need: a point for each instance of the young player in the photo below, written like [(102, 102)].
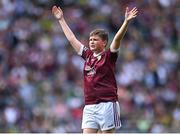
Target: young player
[(101, 111)]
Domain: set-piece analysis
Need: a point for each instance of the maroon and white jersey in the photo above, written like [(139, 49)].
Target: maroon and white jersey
[(99, 78)]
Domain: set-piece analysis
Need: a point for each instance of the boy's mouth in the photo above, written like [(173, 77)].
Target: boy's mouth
[(92, 46)]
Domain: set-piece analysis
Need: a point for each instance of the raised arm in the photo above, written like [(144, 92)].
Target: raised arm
[(129, 15), (76, 44)]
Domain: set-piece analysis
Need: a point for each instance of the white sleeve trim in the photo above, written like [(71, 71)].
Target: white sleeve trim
[(81, 50), (114, 50)]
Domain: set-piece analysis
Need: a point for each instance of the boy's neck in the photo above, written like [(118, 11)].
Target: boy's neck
[(95, 54)]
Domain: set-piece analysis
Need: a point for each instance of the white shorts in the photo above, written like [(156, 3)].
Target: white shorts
[(103, 116)]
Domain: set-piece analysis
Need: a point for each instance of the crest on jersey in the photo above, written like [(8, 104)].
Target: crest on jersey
[(85, 48)]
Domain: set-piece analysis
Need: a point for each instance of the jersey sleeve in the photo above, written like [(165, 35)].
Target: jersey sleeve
[(113, 55), (84, 52)]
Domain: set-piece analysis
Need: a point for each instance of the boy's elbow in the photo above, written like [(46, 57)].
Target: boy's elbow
[(115, 44), (114, 47), (116, 41)]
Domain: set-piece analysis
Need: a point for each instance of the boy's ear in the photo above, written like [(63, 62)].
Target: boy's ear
[(105, 43)]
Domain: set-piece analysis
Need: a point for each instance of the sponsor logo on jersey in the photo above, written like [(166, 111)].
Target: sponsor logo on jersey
[(90, 71)]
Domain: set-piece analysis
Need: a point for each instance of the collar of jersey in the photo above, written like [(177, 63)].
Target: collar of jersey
[(96, 55)]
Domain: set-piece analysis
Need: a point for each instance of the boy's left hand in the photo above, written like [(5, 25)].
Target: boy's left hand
[(130, 14)]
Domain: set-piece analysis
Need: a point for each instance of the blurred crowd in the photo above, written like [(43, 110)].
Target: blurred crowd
[(41, 80)]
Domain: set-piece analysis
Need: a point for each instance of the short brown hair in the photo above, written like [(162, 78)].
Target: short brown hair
[(103, 34)]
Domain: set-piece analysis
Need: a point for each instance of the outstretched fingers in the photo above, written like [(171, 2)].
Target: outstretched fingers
[(134, 10), (127, 9), (57, 12), (60, 9), (54, 9)]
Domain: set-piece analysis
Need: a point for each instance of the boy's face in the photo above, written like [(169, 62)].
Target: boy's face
[(96, 44)]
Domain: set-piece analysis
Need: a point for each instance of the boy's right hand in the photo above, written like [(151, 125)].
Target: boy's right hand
[(57, 12)]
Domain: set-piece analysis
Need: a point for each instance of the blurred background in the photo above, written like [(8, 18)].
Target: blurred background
[(41, 81)]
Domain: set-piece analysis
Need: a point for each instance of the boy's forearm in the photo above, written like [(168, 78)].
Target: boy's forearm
[(119, 35), (67, 31), (70, 35), (121, 32)]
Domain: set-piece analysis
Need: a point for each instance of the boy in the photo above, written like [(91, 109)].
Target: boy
[(101, 111)]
